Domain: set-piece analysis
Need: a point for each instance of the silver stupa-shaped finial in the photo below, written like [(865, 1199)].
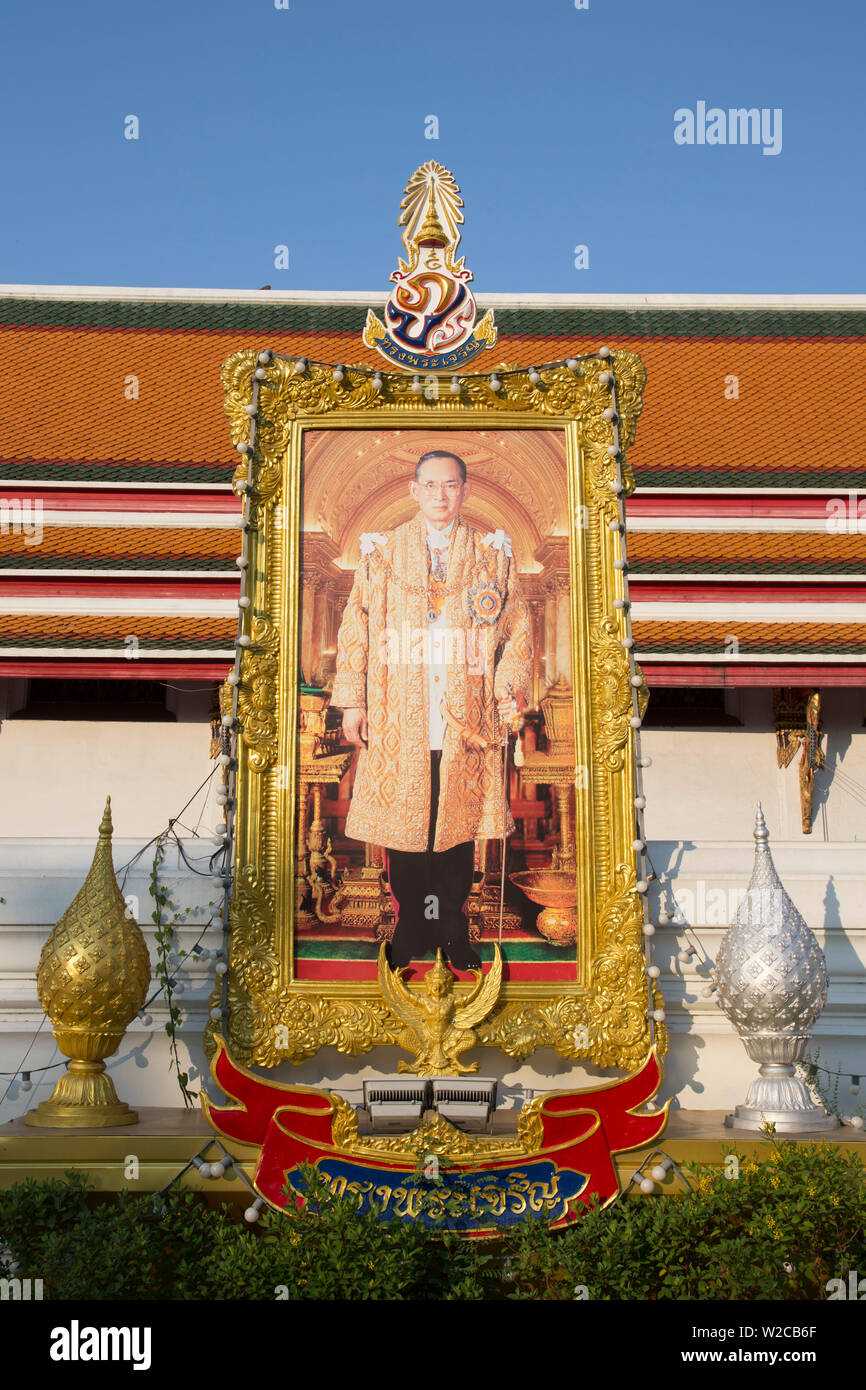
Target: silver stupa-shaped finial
[(772, 981)]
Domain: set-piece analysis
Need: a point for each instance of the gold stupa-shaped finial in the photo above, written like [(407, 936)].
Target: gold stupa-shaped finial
[(431, 232), (92, 979)]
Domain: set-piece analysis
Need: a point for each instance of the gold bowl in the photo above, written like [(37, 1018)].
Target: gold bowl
[(555, 890)]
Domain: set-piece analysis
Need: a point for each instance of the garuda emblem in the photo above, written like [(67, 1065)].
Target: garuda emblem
[(438, 1025), (430, 314)]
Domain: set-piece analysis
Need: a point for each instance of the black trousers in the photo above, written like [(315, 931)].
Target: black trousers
[(429, 892)]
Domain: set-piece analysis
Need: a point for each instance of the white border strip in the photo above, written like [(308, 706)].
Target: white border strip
[(769, 525), (734, 577), (116, 653), (148, 293), (110, 605), (155, 520), (150, 576), (758, 658), (708, 611)]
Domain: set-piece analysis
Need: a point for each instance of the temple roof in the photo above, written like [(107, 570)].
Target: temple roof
[(751, 438)]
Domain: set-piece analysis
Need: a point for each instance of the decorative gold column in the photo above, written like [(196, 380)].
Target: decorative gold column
[(317, 769), (92, 978), (555, 889)]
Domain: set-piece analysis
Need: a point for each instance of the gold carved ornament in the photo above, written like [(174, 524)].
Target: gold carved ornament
[(272, 1021), (92, 978), (798, 730), (436, 1135), (437, 1023)]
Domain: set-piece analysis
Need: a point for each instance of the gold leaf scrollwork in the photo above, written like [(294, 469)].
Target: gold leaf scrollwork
[(618, 1022), (612, 707), (643, 691), (252, 921), (237, 380), (435, 1135), (601, 477), (291, 1027), (257, 695), (344, 1126), (273, 421), (287, 393), (597, 432), (254, 968), (517, 1028)]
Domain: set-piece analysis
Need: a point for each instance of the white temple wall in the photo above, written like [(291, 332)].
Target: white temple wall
[(701, 790)]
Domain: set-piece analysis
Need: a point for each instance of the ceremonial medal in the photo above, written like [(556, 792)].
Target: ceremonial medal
[(484, 602)]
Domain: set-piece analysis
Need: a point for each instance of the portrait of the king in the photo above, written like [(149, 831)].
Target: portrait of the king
[(434, 654)]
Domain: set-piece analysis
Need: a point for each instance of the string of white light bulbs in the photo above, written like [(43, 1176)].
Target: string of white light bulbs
[(419, 385), (636, 681), (228, 757)]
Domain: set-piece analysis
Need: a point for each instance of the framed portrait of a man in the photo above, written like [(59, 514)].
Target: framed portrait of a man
[(434, 713), (435, 670)]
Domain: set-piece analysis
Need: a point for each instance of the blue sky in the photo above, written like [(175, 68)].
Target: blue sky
[(262, 127)]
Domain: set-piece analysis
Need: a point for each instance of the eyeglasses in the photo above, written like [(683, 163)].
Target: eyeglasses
[(450, 489)]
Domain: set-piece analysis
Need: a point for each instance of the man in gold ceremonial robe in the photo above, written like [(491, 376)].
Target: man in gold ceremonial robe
[(433, 654)]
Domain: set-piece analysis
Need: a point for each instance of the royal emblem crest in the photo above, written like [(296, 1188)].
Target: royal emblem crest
[(430, 314), (484, 602)]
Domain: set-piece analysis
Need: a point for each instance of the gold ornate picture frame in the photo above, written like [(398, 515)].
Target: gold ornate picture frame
[(274, 1016)]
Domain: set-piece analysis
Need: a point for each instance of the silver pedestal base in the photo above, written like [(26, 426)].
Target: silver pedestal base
[(812, 1121), (778, 1097)]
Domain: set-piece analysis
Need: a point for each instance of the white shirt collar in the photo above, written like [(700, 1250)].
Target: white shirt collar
[(439, 539)]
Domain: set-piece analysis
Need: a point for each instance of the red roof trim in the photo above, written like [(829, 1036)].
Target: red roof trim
[(680, 589), (83, 668), (677, 674), (782, 504), (126, 500), (148, 585)]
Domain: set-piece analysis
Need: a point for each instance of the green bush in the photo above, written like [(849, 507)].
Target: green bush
[(126, 1247), (178, 1247), (779, 1230)]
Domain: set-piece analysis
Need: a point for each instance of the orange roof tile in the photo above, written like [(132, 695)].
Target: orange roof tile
[(781, 423), (123, 547), (82, 630), (763, 552), (715, 637)]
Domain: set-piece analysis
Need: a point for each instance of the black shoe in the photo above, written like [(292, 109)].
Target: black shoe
[(395, 959), (463, 958)]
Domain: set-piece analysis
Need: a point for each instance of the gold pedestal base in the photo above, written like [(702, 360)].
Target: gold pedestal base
[(482, 909), (84, 1098), (558, 925), (366, 902), (50, 1116)]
